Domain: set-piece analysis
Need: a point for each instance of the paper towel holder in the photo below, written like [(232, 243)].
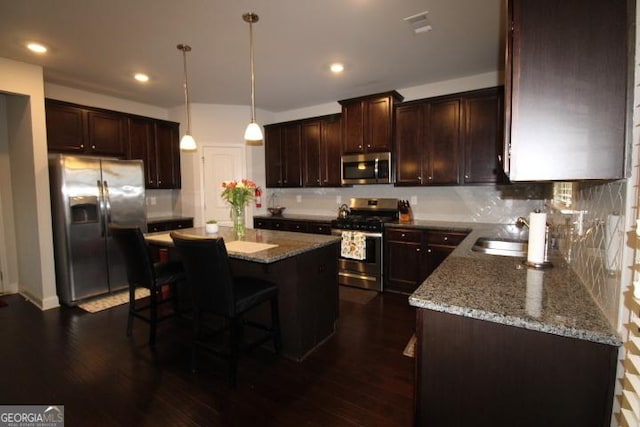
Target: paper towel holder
[(547, 244)]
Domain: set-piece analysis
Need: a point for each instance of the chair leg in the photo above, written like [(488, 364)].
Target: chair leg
[(197, 317), (235, 341), (132, 309), (153, 315), (275, 325)]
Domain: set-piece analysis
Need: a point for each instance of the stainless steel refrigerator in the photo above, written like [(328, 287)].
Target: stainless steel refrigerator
[(88, 194)]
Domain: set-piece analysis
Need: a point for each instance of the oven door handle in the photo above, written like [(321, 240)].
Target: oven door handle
[(338, 232)]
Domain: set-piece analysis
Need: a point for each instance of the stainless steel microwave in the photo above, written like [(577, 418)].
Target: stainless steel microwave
[(367, 168)]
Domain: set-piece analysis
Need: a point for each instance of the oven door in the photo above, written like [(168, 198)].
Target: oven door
[(365, 273)]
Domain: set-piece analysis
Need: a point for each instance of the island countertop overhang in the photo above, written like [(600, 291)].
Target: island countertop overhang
[(288, 243)]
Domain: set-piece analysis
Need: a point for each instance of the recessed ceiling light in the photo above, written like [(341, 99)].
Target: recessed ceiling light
[(37, 47), (141, 77), (336, 68)]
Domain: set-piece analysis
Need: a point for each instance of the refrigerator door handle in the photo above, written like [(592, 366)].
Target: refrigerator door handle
[(102, 209), (107, 198)]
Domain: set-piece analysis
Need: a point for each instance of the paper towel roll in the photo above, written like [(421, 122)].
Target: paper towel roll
[(533, 301), (537, 232), (613, 241)]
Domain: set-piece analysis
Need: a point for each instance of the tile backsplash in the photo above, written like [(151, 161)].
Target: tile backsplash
[(590, 235)]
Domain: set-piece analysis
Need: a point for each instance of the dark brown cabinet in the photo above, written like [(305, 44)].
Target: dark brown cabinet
[(566, 82), (156, 143), (321, 147), (168, 224), (77, 129), (482, 135), (411, 255), (283, 155), (449, 140), (300, 226), (367, 123), (482, 373)]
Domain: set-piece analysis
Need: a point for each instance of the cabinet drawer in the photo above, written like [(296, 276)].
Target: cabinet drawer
[(262, 223), (445, 238), (299, 226), (153, 227), (404, 235), (319, 228)]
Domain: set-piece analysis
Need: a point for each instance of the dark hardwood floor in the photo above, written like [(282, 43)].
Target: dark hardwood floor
[(85, 362)]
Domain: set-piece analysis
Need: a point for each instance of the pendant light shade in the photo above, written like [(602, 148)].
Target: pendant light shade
[(253, 134), (187, 143)]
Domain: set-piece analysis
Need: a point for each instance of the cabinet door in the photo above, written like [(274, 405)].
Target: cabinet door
[(106, 133), (141, 136), (482, 137), (272, 149), (353, 127), (404, 257), (167, 155), (409, 143), (311, 147), (65, 128), (330, 152), (291, 156), (442, 130), (566, 89), (378, 125)]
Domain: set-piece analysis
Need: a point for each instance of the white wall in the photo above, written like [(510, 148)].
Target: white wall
[(63, 93), (216, 125), (8, 250), (25, 118)]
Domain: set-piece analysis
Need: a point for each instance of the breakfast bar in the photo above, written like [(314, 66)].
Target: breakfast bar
[(303, 266)]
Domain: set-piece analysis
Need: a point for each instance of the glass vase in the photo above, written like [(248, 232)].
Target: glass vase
[(237, 217)]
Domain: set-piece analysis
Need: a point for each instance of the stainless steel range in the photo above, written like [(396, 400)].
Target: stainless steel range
[(361, 225)]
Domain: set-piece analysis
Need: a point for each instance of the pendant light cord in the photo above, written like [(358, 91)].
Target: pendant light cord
[(253, 78), (186, 48)]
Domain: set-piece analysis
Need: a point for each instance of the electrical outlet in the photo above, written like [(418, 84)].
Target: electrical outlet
[(298, 198), (414, 200), (152, 201), (338, 200)]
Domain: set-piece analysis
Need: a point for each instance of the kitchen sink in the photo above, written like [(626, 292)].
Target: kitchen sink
[(501, 246)]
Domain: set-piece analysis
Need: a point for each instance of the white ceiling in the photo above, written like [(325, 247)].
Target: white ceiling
[(97, 45)]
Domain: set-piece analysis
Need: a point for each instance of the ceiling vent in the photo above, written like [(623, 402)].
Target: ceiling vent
[(419, 22)]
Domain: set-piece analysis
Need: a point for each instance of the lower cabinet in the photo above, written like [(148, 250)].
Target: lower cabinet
[(472, 372), (412, 254), (300, 226)]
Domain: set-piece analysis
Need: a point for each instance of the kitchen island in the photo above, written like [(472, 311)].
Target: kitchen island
[(303, 266), (501, 344)]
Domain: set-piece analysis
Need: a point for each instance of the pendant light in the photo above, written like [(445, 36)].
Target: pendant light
[(253, 134), (187, 143)]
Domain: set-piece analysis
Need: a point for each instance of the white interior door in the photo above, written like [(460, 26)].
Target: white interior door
[(220, 163)]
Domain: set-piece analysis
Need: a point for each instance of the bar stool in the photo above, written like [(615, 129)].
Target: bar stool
[(217, 294), (143, 272)]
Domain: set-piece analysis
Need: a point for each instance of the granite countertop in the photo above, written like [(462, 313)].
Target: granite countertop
[(298, 217), (503, 290), (288, 243)]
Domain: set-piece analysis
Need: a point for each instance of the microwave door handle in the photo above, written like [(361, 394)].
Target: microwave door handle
[(375, 170)]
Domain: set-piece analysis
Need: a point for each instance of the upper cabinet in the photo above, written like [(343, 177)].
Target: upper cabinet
[(283, 155), (449, 140), (303, 152), (155, 142), (367, 123), (567, 71), (83, 130), (321, 148)]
